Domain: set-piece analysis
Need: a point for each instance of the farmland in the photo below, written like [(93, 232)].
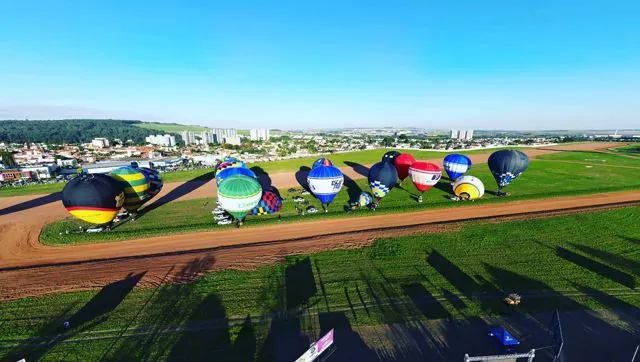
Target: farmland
[(555, 262), (542, 179)]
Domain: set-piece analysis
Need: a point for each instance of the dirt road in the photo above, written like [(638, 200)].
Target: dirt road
[(29, 268)]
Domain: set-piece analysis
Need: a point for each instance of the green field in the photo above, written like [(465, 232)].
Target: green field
[(31, 189), (633, 150), (171, 127), (542, 179), (595, 158), (459, 274)]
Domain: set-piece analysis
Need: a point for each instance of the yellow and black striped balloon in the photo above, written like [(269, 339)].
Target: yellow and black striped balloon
[(135, 186), (93, 198)]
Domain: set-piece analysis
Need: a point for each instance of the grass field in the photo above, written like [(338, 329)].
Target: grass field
[(171, 127), (633, 150), (595, 158), (459, 274), (542, 179)]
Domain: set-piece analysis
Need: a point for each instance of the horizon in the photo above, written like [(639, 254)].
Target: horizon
[(536, 67)]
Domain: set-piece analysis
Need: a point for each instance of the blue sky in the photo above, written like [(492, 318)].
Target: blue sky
[(311, 64)]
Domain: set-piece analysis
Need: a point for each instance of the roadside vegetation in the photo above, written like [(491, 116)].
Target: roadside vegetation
[(584, 261), (633, 149), (542, 179)]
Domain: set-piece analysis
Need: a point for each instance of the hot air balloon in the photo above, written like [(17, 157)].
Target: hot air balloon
[(238, 195), (456, 165), (382, 178), (270, 203), (154, 179), (322, 162), (424, 175), (506, 166), (403, 162), (93, 198), (325, 182), (135, 186), (228, 164), (390, 156), (468, 188), (364, 199), (230, 171)]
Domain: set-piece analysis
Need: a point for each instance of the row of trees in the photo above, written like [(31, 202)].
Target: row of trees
[(73, 131)]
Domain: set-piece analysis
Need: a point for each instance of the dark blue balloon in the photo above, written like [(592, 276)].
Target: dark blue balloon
[(230, 171), (507, 165), (383, 176), (456, 165)]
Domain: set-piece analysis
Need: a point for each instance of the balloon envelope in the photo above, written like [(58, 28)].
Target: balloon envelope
[(229, 164), (456, 165), (403, 162), (468, 187), (325, 182), (154, 179), (230, 171), (93, 198), (270, 203), (390, 156), (382, 178), (507, 165), (364, 199), (424, 175), (135, 186), (322, 162), (239, 194)]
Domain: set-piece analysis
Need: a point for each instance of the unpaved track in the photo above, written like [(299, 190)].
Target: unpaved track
[(88, 266)]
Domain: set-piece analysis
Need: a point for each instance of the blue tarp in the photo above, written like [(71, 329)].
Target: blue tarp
[(503, 336)]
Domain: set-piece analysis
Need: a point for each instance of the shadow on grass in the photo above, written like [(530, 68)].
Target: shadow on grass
[(358, 168), (602, 269), (301, 177), (92, 314), (425, 302), (40, 201), (180, 191), (353, 190), (610, 258), (300, 283)]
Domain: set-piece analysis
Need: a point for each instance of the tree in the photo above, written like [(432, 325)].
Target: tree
[(6, 158)]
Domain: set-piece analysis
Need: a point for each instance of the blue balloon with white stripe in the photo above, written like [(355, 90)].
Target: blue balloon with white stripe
[(325, 182), (456, 165), (228, 172)]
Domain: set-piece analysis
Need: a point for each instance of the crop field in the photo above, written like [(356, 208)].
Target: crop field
[(542, 179), (595, 158), (586, 261)]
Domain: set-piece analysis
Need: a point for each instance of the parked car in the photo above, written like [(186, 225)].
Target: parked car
[(292, 190), (218, 212), (225, 222), (220, 217), (97, 229), (312, 210), (305, 192), (298, 199)]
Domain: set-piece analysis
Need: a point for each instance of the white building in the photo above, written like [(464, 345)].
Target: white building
[(259, 134), (462, 134), (188, 137), (100, 142), (161, 140)]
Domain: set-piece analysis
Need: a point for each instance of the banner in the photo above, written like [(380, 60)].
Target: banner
[(317, 348)]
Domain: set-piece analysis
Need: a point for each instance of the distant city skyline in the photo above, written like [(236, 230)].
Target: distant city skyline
[(468, 65)]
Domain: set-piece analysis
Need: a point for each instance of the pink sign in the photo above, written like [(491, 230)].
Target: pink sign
[(325, 342)]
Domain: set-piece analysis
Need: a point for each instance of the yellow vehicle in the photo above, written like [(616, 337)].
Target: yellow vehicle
[(512, 299)]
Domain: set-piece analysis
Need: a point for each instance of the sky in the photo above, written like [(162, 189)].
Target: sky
[(322, 64)]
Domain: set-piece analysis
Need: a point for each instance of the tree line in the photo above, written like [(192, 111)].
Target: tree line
[(74, 131)]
